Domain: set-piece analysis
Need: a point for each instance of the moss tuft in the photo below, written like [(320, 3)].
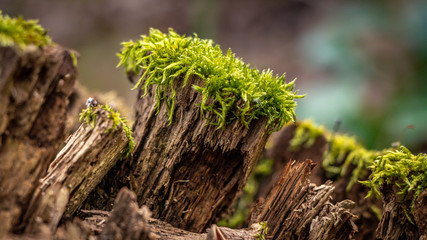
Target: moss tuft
[(343, 151), (305, 135), (89, 116), (17, 31), (399, 167), (238, 91)]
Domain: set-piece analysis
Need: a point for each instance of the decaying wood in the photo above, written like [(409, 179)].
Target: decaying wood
[(128, 221), (81, 164), (188, 173), (34, 86), (296, 208), (281, 153), (420, 214), (394, 222)]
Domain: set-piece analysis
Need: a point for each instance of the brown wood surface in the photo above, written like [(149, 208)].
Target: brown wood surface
[(298, 209), (34, 87), (394, 222)]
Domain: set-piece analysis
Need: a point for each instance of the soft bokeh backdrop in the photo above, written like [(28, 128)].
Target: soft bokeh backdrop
[(361, 62)]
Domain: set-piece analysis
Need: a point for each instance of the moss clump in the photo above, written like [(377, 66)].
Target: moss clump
[(402, 169), (238, 91), (17, 31), (342, 151), (305, 135), (89, 116)]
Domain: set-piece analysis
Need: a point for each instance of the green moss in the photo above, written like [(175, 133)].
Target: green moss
[(399, 167), (17, 31), (89, 116), (342, 151), (305, 135), (238, 91), (262, 231)]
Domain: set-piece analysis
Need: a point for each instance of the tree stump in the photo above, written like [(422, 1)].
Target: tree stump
[(189, 173), (34, 87)]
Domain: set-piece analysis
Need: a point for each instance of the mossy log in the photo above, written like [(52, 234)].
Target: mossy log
[(187, 172), (35, 84), (298, 209), (282, 154)]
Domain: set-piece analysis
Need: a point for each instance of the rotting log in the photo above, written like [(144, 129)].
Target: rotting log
[(88, 155), (298, 209), (188, 173), (35, 84), (282, 154)]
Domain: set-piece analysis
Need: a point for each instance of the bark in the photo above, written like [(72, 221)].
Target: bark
[(77, 169), (394, 222), (34, 87), (297, 209), (420, 213), (367, 220), (188, 173)]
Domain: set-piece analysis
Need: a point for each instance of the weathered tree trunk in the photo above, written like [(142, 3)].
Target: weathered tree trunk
[(188, 173), (297, 209), (394, 222), (34, 86), (281, 153), (77, 169)]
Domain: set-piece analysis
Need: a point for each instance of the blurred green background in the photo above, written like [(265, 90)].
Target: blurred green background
[(361, 62)]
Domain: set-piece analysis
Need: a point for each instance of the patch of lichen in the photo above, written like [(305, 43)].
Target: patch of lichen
[(89, 116), (231, 89), (342, 152), (400, 168), (19, 32)]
